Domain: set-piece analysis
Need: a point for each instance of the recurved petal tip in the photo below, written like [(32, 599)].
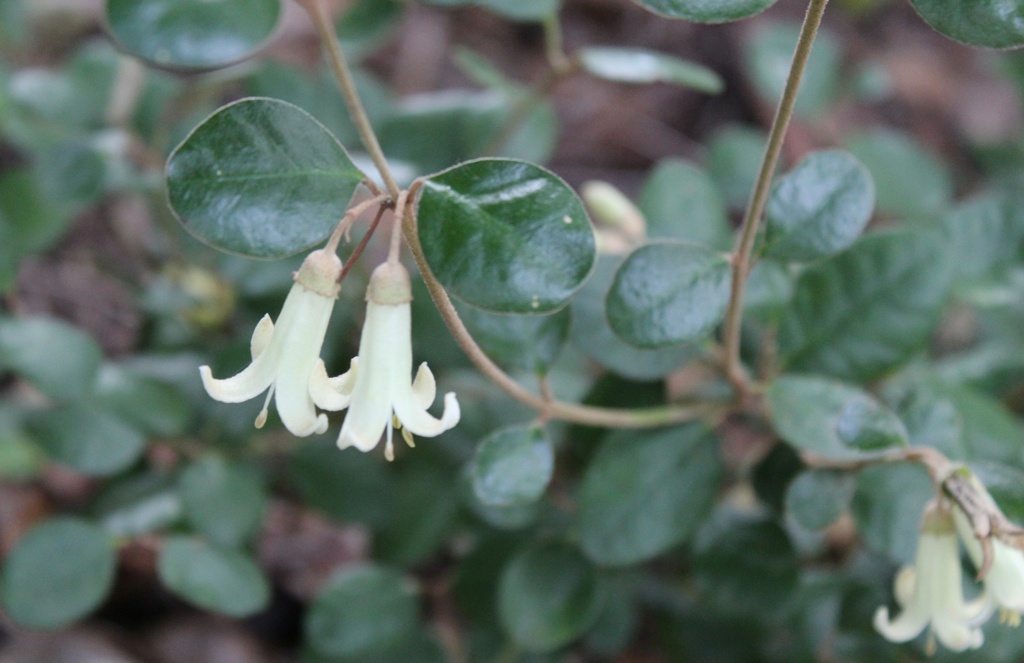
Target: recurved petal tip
[(452, 412)]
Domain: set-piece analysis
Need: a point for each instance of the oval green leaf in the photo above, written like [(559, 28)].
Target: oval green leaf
[(547, 596), (831, 419), (362, 611), (527, 342), (887, 507), (769, 54), (505, 235), (635, 65), (57, 573), (668, 293), (224, 581), (262, 178), (60, 360), (91, 441), (816, 498), (512, 467), (224, 502), (820, 208), (192, 34), (706, 11), (681, 201), (646, 492), (986, 23), (867, 310)]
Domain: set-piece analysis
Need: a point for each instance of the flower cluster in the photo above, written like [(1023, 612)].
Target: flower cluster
[(376, 389), (930, 593)]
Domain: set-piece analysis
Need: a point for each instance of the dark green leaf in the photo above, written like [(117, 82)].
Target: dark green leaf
[(512, 467), (987, 23), (224, 581), (909, 181), (819, 208), (634, 65), (346, 485), (734, 157), (60, 360), (1005, 484), (680, 201), (192, 34), (20, 458), (139, 504), (769, 54), (548, 595), (91, 441), (866, 311), (60, 571), (365, 25), (668, 293), (990, 431), (522, 10), (816, 498), (151, 406), (646, 492), (831, 419), (745, 564), (706, 11), (505, 235), (29, 221), (986, 234), (887, 507), (528, 342), (362, 611), (262, 178), (223, 502), (592, 334), (424, 511), (932, 420)]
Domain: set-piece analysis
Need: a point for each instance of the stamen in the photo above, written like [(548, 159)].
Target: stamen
[(395, 421), (407, 436), (1009, 617), (930, 647), (261, 418), (389, 447)]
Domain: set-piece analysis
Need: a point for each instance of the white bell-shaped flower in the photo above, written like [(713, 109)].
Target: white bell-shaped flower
[(285, 354), (378, 389), (1004, 582), (930, 593)]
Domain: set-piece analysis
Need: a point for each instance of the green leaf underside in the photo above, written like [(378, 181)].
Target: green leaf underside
[(634, 65), (646, 492), (57, 573), (867, 310), (512, 467), (60, 360), (222, 501), (261, 178), (819, 208), (831, 419), (706, 11), (192, 34), (505, 235), (224, 581), (668, 293), (986, 23), (547, 596), (91, 441)]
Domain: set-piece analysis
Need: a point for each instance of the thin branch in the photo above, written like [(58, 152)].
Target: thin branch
[(350, 216), (339, 65), (741, 260), (358, 251)]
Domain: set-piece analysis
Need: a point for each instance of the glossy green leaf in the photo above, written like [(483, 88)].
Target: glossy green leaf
[(634, 65), (819, 208), (527, 342), (91, 441), (866, 311), (887, 507), (548, 595), (361, 611), (592, 334), (60, 360), (668, 293), (512, 466), (192, 34), (680, 201), (223, 502), (224, 581), (910, 182), (152, 406), (769, 53), (706, 11), (986, 23), (646, 492), (831, 419), (816, 498), (262, 178), (58, 572), (745, 564), (505, 235)]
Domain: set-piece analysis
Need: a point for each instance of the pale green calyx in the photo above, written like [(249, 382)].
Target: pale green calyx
[(320, 273), (389, 285)]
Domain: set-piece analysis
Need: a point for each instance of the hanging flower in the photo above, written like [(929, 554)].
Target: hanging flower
[(930, 594), (377, 388), (284, 355)]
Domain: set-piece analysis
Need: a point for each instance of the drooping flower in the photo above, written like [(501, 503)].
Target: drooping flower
[(930, 594), (285, 354), (378, 389)]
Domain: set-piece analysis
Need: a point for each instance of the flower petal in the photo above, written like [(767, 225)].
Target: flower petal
[(424, 387), (418, 420), (250, 383), (332, 393), (261, 336), (300, 333), (904, 628), (956, 635)]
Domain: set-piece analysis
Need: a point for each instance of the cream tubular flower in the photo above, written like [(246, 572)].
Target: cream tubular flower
[(378, 389), (930, 592), (284, 355)]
